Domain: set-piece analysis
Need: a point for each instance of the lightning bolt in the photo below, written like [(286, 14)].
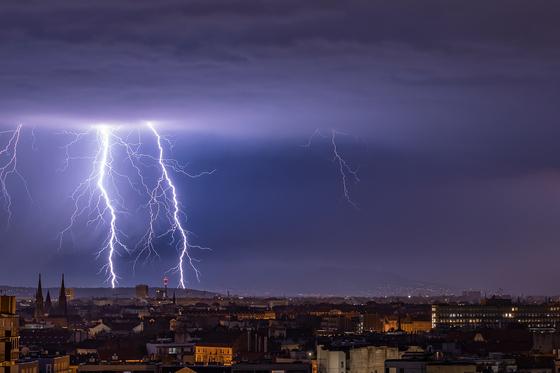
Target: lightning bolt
[(346, 172), (113, 239), (92, 199), (165, 186), (9, 167), (100, 199)]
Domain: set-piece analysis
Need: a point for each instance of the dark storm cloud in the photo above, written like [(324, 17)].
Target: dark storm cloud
[(257, 66)]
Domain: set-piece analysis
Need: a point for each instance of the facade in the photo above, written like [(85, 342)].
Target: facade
[(495, 314), (213, 354), (416, 326), (171, 351), (54, 364), (373, 322), (331, 325), (9, 331), (371, 359), (330, 361), (9, 340), (28, 366)]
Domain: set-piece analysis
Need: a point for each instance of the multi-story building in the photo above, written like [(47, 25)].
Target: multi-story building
[(9, 332), (496, 313), (54, 364), (168, 351), (213, 354), (410, 325), (331, 361), (373, 322), (9, 340), (371, 359)]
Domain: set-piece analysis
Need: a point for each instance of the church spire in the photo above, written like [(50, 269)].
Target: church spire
[(62, 305), (39, 305), (48, 302)]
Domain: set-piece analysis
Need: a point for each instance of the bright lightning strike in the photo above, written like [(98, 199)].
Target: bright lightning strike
[(113, 239), (99, 196), (92, 199), (346, 172), (9, 167), (163, 186)]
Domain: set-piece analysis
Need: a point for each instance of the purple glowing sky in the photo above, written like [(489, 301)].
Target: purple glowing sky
[(451, 109)]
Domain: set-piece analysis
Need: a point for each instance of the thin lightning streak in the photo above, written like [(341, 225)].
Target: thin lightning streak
[(346, 172), (176, 226), (113, 238), (9, 168)]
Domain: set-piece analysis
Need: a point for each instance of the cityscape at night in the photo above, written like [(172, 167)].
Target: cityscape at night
[(279, 186)]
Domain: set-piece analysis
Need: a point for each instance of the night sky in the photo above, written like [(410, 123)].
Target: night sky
[(449, 110)]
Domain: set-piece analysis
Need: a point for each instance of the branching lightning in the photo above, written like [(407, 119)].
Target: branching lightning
[(91, 198), (100, 199), (113, 239), (9, 167), (164, 182), (346, 172), (123, 160)]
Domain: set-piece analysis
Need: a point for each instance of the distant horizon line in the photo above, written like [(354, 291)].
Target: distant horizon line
[(483, 294)]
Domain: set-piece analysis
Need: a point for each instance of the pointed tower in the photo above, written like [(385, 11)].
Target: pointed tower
[(48, 303), (62, 305), (39, 305), (174, 299)]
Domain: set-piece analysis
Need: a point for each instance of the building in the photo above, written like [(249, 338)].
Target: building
[(330, 361), (54, 364), (331, 325), (27, 366), (496, 313), (213, 354), (167, 352), (142, 291), (371, 359), (62, 301), (9, 340), (48, 303), (39, 304), (410, 325), (9, 334), (373, 322)]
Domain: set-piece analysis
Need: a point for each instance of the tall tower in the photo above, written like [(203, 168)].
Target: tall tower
[(62, 305), (39, 305), (48, 303)]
